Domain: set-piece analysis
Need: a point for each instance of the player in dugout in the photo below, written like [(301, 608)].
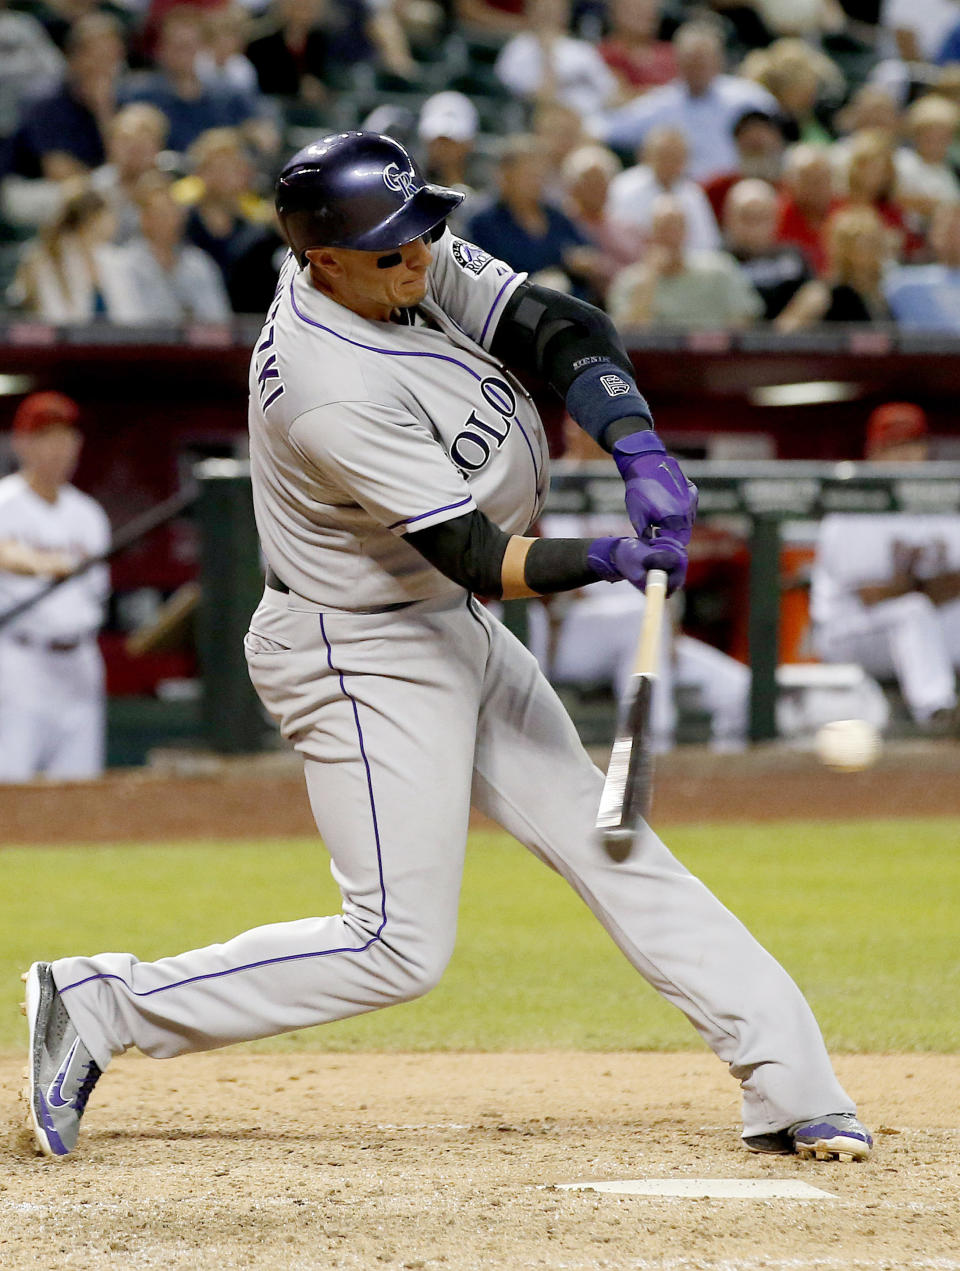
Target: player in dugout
[(397, 466), (51, 670)]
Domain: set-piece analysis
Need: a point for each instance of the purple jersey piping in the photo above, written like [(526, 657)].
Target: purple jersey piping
[(493, 308), (288, 957), (447, 507), (372, 348), (442, 357)]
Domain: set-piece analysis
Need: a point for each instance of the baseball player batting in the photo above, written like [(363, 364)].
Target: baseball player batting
[(397, 464)]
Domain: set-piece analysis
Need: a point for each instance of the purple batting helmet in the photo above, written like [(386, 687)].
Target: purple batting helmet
[(359, 190)]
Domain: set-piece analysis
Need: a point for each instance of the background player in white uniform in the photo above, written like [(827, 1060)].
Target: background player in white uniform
[(396, 465), (885, 589), (591, 635), (51, 671)]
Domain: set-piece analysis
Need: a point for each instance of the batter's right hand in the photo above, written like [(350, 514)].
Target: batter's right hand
[(613, 559)]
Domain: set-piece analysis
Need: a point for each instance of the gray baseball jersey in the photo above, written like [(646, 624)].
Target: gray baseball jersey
[(360, 431)]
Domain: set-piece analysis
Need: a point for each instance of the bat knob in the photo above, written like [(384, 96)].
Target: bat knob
[(618, 843)]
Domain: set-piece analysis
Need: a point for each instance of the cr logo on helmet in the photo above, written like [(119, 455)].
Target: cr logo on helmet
[(404, 183)]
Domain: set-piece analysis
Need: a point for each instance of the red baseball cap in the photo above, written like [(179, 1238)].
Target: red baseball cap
[(894, 423), (44, 410)]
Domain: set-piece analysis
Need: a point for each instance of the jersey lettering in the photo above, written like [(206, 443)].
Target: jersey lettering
[(268, 377), (471, 450)]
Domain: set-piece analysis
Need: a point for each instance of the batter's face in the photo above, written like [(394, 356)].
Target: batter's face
[(373, 284)]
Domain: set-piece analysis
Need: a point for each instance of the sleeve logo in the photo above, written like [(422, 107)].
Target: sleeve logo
[(615, 386), (470, 258)]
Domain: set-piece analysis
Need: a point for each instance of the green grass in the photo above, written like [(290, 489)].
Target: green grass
[(865, 915)]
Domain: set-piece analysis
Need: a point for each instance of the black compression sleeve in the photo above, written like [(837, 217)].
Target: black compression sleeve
[(469, 549)]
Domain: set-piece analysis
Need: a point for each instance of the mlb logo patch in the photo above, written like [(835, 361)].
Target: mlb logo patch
[(614, 385), (470, 258)]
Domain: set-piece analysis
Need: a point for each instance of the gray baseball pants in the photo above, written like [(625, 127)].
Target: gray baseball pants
[(402, 719)]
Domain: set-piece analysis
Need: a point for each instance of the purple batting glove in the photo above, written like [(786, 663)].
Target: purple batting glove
[(658, 495), (631, 558)]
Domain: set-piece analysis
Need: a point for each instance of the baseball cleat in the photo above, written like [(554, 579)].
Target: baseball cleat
[(837, 1136), (61, 1072)]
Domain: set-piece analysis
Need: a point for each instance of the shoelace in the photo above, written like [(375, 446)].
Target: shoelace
[(91, 1078)]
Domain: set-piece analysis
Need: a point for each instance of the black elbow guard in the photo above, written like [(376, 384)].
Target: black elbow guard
[(576, 349)]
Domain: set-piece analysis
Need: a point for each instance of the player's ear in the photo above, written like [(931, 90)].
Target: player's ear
[(326, 260)]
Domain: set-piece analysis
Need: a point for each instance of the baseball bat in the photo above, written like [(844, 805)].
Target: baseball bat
[(125, 537), (628, 788)]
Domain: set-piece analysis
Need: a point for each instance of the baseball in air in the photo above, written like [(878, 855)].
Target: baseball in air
[(848, 744)]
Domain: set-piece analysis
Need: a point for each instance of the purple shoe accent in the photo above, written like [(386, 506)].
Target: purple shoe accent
[(57, 1145), (812, 1131)]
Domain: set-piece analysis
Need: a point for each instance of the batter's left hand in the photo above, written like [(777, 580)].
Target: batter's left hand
[(613, 559), (658, 495)]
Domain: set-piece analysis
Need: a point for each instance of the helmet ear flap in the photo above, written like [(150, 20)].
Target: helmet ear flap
[(437, 231)]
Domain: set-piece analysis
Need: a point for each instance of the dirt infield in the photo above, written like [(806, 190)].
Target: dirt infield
[(203, 797), (448, 1162)]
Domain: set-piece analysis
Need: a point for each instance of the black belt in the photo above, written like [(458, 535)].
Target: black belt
[(49, 646), (277, 584)]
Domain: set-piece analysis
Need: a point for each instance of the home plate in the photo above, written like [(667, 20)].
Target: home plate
[(713, 1188)]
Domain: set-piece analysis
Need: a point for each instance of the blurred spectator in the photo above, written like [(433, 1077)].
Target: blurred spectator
[(886, 588), (702, 102), (135, 138), (62, 134), (806, 202), (587, 174), (253, 277), (758, 138), (872, 182), (547, 64), (177, 89), (870, 107), (809, 19), (674, 287), (632, 50), (520, 227), (51, 672), (917, 29), (805, 83), (71, 272), (663, 171), (923, 172), (927, 297), (58, 17), (217, 222), (950, 48), (858, 251), (447, 129), (559, 131), (222, 63), (495, 17), (776, 270), (30, 64), (291, 57), (386, 33), (171, 281)]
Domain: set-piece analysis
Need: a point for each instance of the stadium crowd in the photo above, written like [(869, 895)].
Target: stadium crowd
[(713, 164)]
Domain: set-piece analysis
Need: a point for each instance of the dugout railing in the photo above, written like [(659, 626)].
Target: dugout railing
[(761, 495)]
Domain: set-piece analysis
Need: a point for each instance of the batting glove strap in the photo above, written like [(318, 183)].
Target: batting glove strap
[(603, 393)]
